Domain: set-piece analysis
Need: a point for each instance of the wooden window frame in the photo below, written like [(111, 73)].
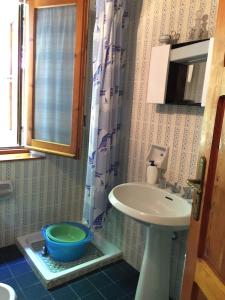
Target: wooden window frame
[(74, 149)]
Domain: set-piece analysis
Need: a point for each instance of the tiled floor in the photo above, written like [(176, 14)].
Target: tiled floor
[(117, 281)]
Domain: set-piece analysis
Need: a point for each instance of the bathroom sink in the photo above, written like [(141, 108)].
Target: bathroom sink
[(149, 204), (163, 213), (7, 292)]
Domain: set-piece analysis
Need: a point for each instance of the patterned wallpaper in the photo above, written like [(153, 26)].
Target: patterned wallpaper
[(178, 127)]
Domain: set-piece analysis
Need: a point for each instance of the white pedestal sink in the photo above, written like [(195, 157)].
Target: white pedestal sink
[(163, 213)]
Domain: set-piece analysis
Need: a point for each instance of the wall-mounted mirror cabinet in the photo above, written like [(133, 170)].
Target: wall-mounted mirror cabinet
[(179, 73), (58, 40)]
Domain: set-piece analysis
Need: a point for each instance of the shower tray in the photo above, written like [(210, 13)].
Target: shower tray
[(52, 273)]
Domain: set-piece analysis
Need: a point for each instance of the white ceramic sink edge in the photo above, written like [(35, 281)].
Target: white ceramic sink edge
[(7, 292), (152, 205)]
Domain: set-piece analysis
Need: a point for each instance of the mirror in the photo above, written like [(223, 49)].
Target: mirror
[(194, 82), (185, 83), (186, 77)]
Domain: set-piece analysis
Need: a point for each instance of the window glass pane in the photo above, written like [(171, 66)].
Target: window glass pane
[(8, 73), (54, 68)]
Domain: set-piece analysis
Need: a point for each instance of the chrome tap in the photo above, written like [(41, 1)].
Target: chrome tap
[(187, 193), (175, 188), (162, 183)]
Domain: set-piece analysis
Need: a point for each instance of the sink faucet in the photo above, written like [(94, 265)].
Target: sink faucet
[(162, 183), (175, 188), (187, 193)]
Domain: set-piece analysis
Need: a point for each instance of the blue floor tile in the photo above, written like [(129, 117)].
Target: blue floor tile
[(20, 295), (48, 298), (66, 296), (112, 292), (15, 261), (99, 280), (128, 270), (93, 296), (83, 287), (5, 273), (128, 297), (115, 273), (35, 292), (26, 280), (19, 268), (128, 285), (64, 292)]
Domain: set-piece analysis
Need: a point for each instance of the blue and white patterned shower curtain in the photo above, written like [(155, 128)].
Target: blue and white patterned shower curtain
[(108, 68)]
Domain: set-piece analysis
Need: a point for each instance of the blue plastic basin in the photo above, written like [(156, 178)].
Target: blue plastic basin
[(64, 251)]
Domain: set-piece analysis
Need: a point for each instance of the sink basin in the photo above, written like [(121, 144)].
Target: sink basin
[(162, 212), (7, 292), (149, 204)]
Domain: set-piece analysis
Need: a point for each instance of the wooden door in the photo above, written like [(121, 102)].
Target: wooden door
[(204, 275)]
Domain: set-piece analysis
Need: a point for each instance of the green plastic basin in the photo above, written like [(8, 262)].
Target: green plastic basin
[(65, 233)]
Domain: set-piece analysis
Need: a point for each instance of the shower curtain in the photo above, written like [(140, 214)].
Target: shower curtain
[(107, 91)]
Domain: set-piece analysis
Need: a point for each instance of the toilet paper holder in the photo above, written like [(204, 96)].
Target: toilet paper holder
[(6, 188)]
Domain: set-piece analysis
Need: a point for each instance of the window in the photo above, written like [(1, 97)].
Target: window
[(55, 80), (58, 53), (10, 73)]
